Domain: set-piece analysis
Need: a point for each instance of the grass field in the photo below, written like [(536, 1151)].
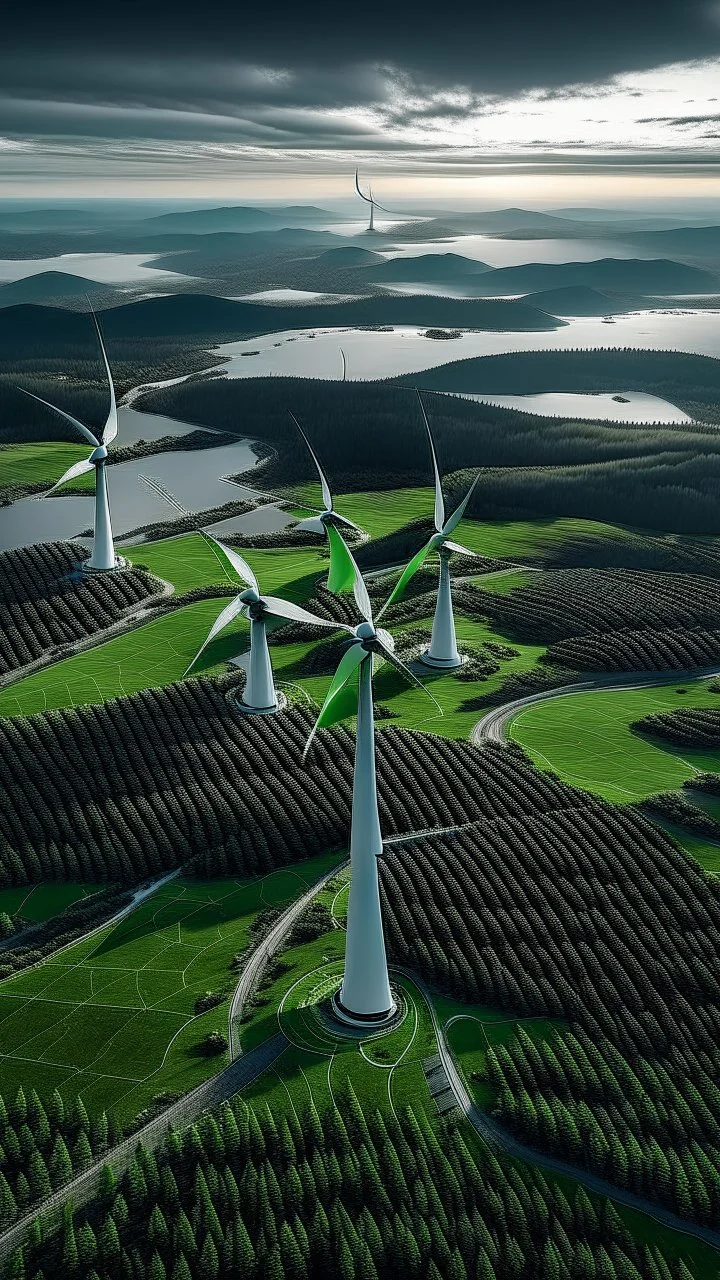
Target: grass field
[(41, 463), (35, 903), (112, 1018), (586, 739)]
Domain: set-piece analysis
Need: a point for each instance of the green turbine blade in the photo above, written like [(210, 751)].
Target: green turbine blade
[(408, 572), (342, 697)]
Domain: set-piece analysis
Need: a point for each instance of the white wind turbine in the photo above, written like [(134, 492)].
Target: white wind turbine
[(369, 199), (443, 651), (103, 555), (259, 694), (321, 521), (365, 998)]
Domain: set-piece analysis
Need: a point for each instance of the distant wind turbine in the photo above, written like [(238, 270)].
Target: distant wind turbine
[(369, 199), (443, 651), (103, 556), (321, 521)]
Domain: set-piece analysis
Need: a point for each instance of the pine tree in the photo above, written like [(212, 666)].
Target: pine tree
[(38, 1177), (156, 1270), (69, 1249), (86, 1245)]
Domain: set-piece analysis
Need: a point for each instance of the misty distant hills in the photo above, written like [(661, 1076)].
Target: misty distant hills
[(620, 275), (430, 267), (348, 256), (576, 300), (203, 317), (236, 218), (54, 286)]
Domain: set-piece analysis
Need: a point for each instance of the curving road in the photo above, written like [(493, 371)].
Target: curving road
[(499, 1138), (493, 725)]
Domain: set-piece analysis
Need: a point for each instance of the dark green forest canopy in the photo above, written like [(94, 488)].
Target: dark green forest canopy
[(370, 436), (665, 373)]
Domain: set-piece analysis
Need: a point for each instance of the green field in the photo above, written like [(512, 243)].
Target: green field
[(586, 739), (35, 903), (112, 1018), (41, 463)]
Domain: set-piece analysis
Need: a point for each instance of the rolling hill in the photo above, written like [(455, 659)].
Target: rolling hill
[(52, 286)]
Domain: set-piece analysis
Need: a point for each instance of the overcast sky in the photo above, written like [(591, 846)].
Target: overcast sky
[(560, 100)]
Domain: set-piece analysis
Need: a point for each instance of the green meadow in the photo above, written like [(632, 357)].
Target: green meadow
[(586, 738), (39, 902), (113, 1019)]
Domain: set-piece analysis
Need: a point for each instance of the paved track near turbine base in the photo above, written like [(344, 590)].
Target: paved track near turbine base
[(493, 725)]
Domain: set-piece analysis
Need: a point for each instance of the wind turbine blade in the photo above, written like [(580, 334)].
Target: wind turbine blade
[(357, 188), (344, 520), (326, 494), (80, 426), (312, 525), (337, 706), (295, 613), (408, 572), (228, 615), (409, 675), (110, 429), (344, 365), (454, 520), (241, 567), (439, 500), (77, 469), (461, 551), (344, 573)]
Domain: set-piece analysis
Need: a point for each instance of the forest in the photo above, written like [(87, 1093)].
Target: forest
[(46, 605), (654, 477), (589, 915), (137, 785), (244, 1192), (688, 727)]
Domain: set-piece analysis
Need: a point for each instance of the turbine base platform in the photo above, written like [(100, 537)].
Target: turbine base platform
[(365, 1023), (120, 563), (280, 705), (442, 664)]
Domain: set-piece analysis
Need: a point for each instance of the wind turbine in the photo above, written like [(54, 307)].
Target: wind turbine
[(365, 998), (322, 521), (369, 199), (103, 556), (259, 695), (443, 651)]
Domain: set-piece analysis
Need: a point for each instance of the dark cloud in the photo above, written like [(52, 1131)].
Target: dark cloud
[(492, 47)]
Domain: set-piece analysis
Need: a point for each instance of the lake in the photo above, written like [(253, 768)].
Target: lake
[(314, 353), (638, 406), (193, 477), (106, 268)]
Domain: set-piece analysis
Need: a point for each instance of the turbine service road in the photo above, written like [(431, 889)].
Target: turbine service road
[(499, 1139), (492, 726), (259, 957)]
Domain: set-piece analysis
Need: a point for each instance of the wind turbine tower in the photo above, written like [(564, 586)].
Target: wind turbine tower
[(103, 558), (443, 651), (369, 199), (365, 999)]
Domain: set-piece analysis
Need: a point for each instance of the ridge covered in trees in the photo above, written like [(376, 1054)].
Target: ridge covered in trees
[(377, 1196), (137, 785), (46, 604), (590, 915)]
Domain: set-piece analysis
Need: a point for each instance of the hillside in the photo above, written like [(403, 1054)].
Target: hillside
[(185, 315), (622, 275), (50, 287), (428, 266), (575, 300)]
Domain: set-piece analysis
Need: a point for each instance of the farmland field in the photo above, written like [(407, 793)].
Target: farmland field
[(112, 1019), (36, 903), (586, 739)]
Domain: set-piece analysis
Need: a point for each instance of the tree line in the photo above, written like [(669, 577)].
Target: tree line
[(593, 916), (369, 1195)]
